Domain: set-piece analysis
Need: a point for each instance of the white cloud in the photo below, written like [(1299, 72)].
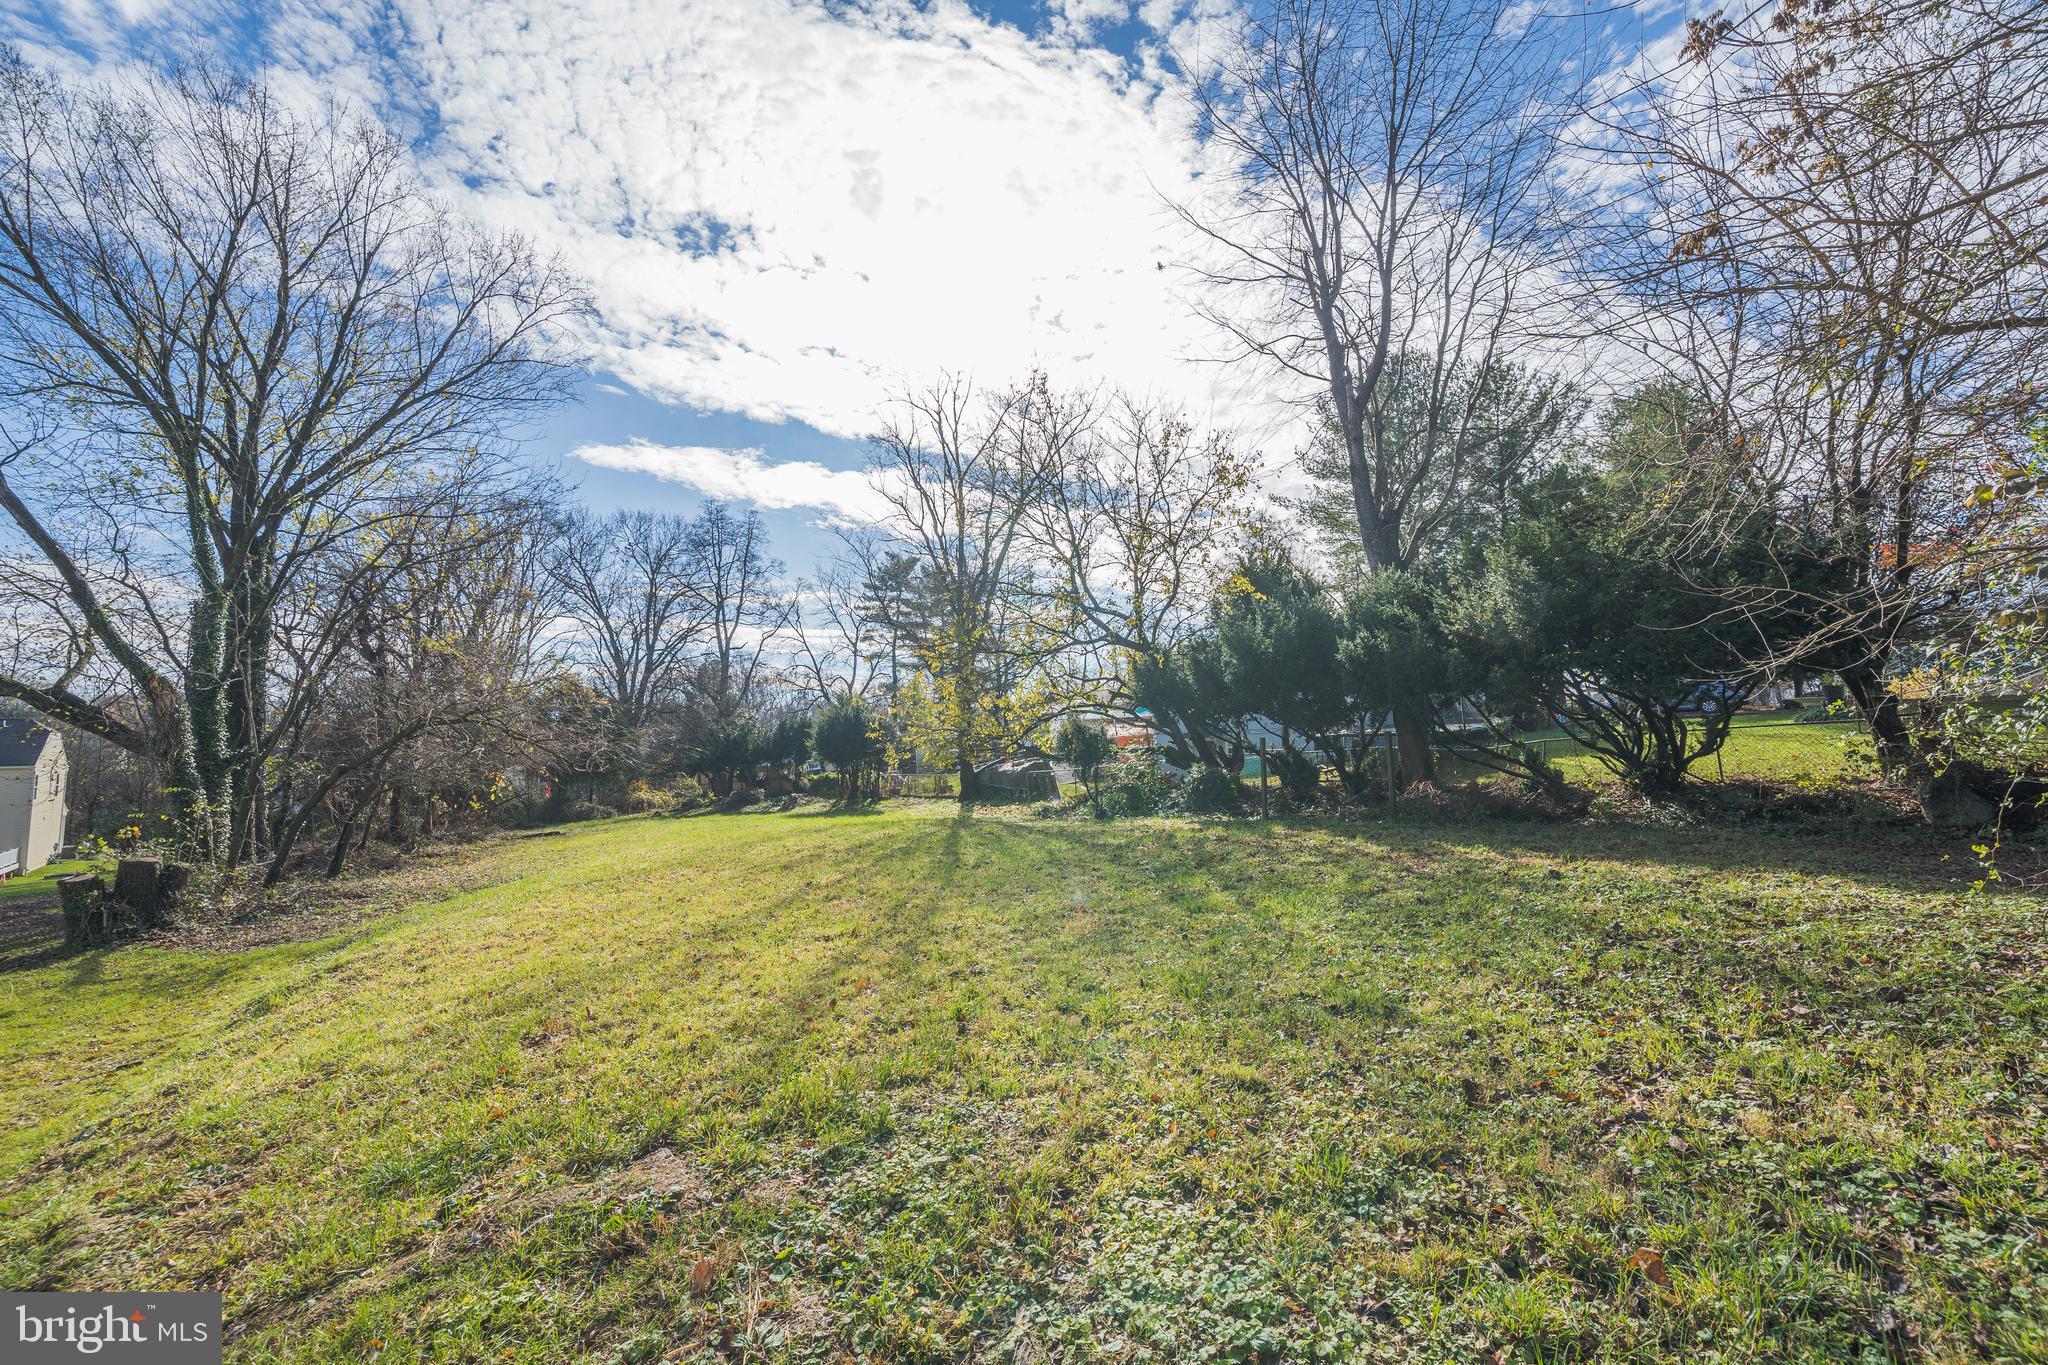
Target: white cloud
[(1080, 18), (789, 210), (744, 476)]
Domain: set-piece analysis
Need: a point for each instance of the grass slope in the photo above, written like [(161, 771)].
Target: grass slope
[(912, 1087), (42, 881)]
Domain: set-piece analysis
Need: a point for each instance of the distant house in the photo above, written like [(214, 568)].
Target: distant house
[(34, 775)]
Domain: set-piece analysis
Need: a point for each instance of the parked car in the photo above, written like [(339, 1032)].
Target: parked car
[(1711, 697)]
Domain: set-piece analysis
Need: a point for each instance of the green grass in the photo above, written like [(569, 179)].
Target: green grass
[(911, 1087), (42, 881), (1761, 747)]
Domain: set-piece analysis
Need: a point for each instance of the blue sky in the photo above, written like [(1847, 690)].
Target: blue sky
[(786, 209)]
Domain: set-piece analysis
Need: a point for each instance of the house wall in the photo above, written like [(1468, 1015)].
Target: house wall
[(32, 808), (17, 785), (46, 816)]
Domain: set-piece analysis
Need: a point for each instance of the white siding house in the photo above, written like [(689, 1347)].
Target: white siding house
[(33, 776)]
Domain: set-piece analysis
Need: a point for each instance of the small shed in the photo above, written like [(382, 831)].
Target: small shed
[(34, 777), (1025, 773)]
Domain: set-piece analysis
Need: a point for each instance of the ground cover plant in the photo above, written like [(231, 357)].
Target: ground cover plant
[(923, 1085)]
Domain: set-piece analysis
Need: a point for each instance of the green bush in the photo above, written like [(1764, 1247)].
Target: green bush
[(848, 735), (726, 753), (1300, 775), (1084, 746), (686, 795), (515, 811), (643, 798), (1135, 784), (1209, 791), (788, 744)]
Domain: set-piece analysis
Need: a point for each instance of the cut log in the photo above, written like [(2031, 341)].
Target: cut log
[(138, 885), (171, 884), (86, 917)]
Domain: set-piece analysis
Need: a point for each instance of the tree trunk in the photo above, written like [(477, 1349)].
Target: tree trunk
[(206, 777), (1881, 712), (278, 811), (1186, 744), (338, 859), (1411, 736)]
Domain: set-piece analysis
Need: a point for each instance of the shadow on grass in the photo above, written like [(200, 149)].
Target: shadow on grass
[(1515, 923), (1902, 859), (170, 976)]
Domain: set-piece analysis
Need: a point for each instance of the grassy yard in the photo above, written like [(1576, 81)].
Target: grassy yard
[(42, 881), (909, 1086), (1762, 747)]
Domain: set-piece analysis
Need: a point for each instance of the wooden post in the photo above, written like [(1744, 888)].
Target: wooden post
[(1391, 757), (1264, 809)]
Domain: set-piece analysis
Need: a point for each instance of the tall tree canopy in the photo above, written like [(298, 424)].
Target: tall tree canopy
[(233, 340)]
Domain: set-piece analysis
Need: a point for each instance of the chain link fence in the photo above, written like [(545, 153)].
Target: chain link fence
[(932, 784)]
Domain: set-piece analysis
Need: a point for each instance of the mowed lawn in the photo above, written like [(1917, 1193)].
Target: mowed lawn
[(1761, 747), (910, 1086)]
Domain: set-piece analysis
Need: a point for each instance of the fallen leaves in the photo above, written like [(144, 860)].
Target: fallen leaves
[(1649, 1262)]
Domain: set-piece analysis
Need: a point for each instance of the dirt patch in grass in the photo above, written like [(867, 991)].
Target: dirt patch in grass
[(661, 1177), (29, 925)]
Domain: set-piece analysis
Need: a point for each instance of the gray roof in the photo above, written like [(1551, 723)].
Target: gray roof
[(22, 741)]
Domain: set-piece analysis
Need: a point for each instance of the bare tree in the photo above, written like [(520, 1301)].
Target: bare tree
[(252, 334), (433, 695), (961, 471), (744, 608), (1844, 256), (1134, 526), (840, 633), (1390, 162), (1513, 423), (633, 589)]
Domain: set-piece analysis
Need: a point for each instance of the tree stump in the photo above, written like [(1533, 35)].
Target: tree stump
[(171, 884), (137, 885), (86, 917)]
